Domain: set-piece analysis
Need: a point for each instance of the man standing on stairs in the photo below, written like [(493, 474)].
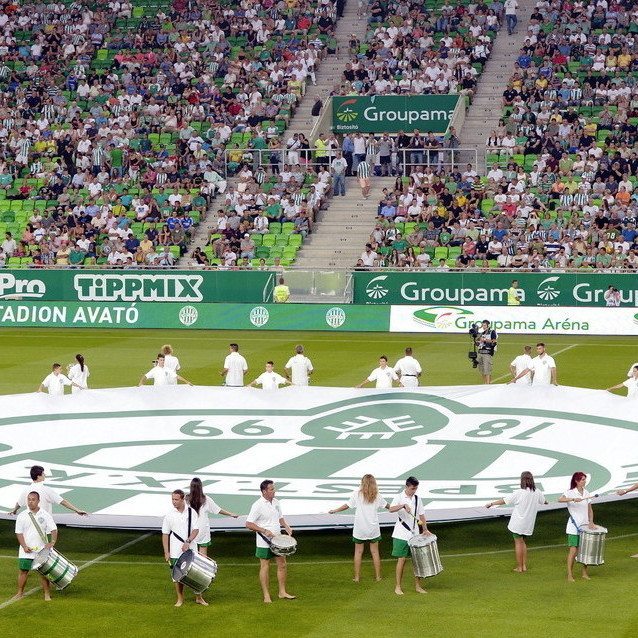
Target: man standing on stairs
[(511, 6), (338, 169), (347, 148), (359, 143), (363, 174)]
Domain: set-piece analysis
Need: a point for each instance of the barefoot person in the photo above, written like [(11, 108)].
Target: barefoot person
[(48, 496), (266, 520), (179, 531), (411, 521), (35, 530), (204, 505), (580, 513), (366, 502), (523, 518)]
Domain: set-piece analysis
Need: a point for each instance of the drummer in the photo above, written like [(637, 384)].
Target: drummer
[(581, 513), (266, 520), (179, 533), (35, 530), (410, 521)]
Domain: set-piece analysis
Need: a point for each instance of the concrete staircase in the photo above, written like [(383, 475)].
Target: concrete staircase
[(344, 228), (486, 108)]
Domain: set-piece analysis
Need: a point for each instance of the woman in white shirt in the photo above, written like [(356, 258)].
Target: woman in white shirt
[(367, 502), (79, 374), (631, 383), (580, 514), (203, 506), (523, 518), (171, 362)]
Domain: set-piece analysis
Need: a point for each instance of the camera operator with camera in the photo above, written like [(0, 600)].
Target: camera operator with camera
[(484, 339)]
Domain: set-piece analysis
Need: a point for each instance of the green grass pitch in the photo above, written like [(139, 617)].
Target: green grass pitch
[(129, 593)]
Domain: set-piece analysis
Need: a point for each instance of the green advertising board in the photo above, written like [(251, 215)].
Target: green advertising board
[(137, 285), (393, 113), (202, 316), (490, 289)]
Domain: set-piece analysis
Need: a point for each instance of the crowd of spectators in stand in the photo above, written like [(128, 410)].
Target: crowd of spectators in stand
[(562, 186), (414, 48), (117, 121)]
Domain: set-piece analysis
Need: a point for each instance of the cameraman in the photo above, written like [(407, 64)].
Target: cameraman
[(485, 340)]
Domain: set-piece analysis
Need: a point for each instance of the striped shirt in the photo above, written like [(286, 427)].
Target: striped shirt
[(363, 170), (98, 155)]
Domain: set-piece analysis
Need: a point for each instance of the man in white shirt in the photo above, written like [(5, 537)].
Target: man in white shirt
[(180, 528), (511, 18), (161, 374), (235, 367), (54, 383), (384, 375), (269, 380), (266, 520), (35, 530), (300, 367), (48, 496), (408, 369), (542, 368), (521, 364), (410, 521)]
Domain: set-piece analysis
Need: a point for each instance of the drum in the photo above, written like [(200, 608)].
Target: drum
[(425, 556), (195, 571), (55, 567), (591, 548), (283, 545)]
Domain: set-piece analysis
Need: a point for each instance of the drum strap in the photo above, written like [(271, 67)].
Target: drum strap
[(38, 528), (414, 520), (571, 518), (265, 538), (177, 536)]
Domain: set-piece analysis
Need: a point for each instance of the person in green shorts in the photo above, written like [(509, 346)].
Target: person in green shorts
[(410, 521), (266, 520), (35, 530), (581, 514)]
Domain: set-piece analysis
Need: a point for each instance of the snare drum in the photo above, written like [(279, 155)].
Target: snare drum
[(591, 548), (55, 567), (283, 545), (425, 556), (195, 571)]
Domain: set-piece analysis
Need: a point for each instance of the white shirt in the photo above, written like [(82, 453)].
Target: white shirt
[(236, 366), (384, 377), (177, 523), (162, 376), (632, 387), (400, 531), (408, 366), (300, 366), (270, 380), (32, 538), (171, 362), (48, 496), (366, 517), (266, 514), (520, 363), (55, 383), (577, 511), (211, 507), (525, 504), (79, 376), (542, 367)]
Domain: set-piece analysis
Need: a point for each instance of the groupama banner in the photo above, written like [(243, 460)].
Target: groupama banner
[(393, 113)]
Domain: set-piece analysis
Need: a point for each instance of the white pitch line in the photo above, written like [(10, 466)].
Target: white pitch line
[(328, 562), (555, 354), (86, 564)]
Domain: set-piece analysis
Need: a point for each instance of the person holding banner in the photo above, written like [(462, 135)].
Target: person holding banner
[(631, 383), (526, 502), (581, 513), (180, 529), (35, 530), (55, 382), (410, 522), (266, 520)]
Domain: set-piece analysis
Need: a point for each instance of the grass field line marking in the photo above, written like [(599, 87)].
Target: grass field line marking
[(565, 349), (84, 565), (158, 563)]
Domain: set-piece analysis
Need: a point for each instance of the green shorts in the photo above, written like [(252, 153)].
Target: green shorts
[(515, 535), (264, 552), (24, 564), (205, 544), (171, 562), (359, 541), (400, 548), (573, 540)]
